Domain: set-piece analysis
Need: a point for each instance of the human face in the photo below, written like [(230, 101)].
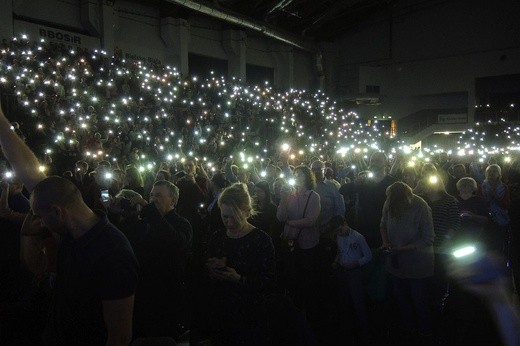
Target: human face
[(160, 196), (259, 195), (233, 220), (318, 171), (459, 171), (409, 179), (377, 162), (50, 219), (299, 179), (492, 174), (159, 176), (189, 167)]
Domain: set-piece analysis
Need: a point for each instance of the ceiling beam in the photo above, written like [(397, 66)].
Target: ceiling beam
[(245, 22)]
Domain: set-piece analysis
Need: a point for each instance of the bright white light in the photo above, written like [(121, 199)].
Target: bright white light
[(464, 251)]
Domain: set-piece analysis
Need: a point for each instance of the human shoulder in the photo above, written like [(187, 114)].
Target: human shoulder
[(314, 194), (419, 202), (356, 234), (173, 217), (259, 234), (389, 179)]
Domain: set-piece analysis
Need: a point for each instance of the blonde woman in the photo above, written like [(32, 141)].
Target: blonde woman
[(242, 267)]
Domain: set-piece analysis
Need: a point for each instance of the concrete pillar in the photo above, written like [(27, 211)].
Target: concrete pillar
[(109, 25), (234, 43), (175, 32), (90, 15), (6, 19), (284, 69)]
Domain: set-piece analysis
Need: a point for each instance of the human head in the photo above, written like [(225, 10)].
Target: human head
[(304, 177), (318, 168), (277, 185), (459, 171), (466, 185), (81, 166), (235, 207), (434, 185), (243, 175), (273, 172), (410, 176), (514, 171), (219, 181), (133, 176), (163, 175), (493, 173), (329, 173), (398, 198), (15, 186), (428, 169), (128, 211), (337, 222), (377, 162), (443, 157), (262, 194), (190, 166), (57, 201), (164, 195)]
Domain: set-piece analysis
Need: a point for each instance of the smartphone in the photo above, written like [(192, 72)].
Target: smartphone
[(104, 195)]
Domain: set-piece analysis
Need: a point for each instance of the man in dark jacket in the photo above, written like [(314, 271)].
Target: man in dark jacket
[(162, 244)]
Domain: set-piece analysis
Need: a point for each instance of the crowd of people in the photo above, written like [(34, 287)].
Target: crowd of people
[(136, 204)]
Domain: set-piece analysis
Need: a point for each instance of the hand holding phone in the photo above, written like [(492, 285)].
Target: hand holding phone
[(105, 196)]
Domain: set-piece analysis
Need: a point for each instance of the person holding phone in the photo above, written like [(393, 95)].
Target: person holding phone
[(162, 243), (407, 235), (241, 265)]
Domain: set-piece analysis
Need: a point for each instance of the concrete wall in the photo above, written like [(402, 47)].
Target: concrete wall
[(141, 32), (426, 48)]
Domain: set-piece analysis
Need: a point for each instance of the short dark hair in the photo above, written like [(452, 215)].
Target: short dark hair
[(55, 190)]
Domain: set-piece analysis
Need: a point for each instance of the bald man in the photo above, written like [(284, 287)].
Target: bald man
[(96, 267)]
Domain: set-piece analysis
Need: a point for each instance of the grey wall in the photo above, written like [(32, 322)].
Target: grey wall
[(426, 48), (141, 32)]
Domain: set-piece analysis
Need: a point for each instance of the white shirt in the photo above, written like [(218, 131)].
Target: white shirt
[(352, 248)]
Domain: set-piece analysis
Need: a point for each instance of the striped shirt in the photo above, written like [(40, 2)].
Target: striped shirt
[(445, 214)]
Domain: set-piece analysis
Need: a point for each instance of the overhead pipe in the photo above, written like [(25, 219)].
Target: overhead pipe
[(248, 23)]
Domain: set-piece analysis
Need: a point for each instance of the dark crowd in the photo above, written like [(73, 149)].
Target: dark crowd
[(138, 207)]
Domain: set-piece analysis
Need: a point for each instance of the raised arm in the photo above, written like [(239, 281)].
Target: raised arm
[(21, 158)]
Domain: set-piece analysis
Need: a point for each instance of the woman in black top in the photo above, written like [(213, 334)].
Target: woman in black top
[(241, 265)]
